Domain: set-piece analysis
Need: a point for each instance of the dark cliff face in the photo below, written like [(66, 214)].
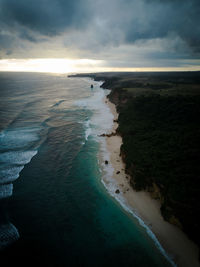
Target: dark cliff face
[(159, 121)]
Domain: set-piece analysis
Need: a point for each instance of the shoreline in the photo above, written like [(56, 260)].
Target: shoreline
[(175, 243)]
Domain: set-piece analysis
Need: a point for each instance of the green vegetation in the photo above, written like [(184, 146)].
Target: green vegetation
[(161, 146), (159, 121)]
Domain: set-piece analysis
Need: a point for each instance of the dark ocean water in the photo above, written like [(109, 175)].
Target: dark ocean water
[(54, 209)]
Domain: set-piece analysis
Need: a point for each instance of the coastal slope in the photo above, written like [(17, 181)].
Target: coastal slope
[(177, 245), (159, 126)]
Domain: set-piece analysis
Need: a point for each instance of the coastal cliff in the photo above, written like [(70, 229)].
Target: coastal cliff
[(159, 121)]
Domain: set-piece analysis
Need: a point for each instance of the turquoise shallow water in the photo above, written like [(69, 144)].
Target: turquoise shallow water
[(54, 208)]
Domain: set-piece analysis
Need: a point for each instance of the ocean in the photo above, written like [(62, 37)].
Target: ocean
[(54, 207)]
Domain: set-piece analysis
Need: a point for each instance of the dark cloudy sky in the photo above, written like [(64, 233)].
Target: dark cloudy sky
[(122, 33)]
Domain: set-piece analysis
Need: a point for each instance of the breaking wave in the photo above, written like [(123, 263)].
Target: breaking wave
[(8, 235)]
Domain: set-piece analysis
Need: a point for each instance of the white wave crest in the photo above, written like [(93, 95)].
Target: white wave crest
[(18, 137), (102, 118), (8, 235), (88, 130), (6, 190), (9, 175), (17, 157)]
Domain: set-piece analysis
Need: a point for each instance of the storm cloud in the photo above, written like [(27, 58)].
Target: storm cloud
[(89, 28), (47, 17)]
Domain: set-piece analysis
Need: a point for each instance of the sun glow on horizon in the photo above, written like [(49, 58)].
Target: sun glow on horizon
[(58, 65), (51, 65)]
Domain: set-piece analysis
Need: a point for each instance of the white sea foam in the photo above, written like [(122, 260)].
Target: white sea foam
[(6, 190), (111, 185), (17, 157), (18, 137), (14, 140), (9, 174), (102, 120), (88, 130), (8, 235)]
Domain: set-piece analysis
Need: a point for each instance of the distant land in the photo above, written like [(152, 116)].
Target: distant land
[(159, 121)]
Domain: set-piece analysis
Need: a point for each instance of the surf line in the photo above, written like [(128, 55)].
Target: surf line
[(128, 209)]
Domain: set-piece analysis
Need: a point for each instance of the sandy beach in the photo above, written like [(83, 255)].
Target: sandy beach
[(183, 251)]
